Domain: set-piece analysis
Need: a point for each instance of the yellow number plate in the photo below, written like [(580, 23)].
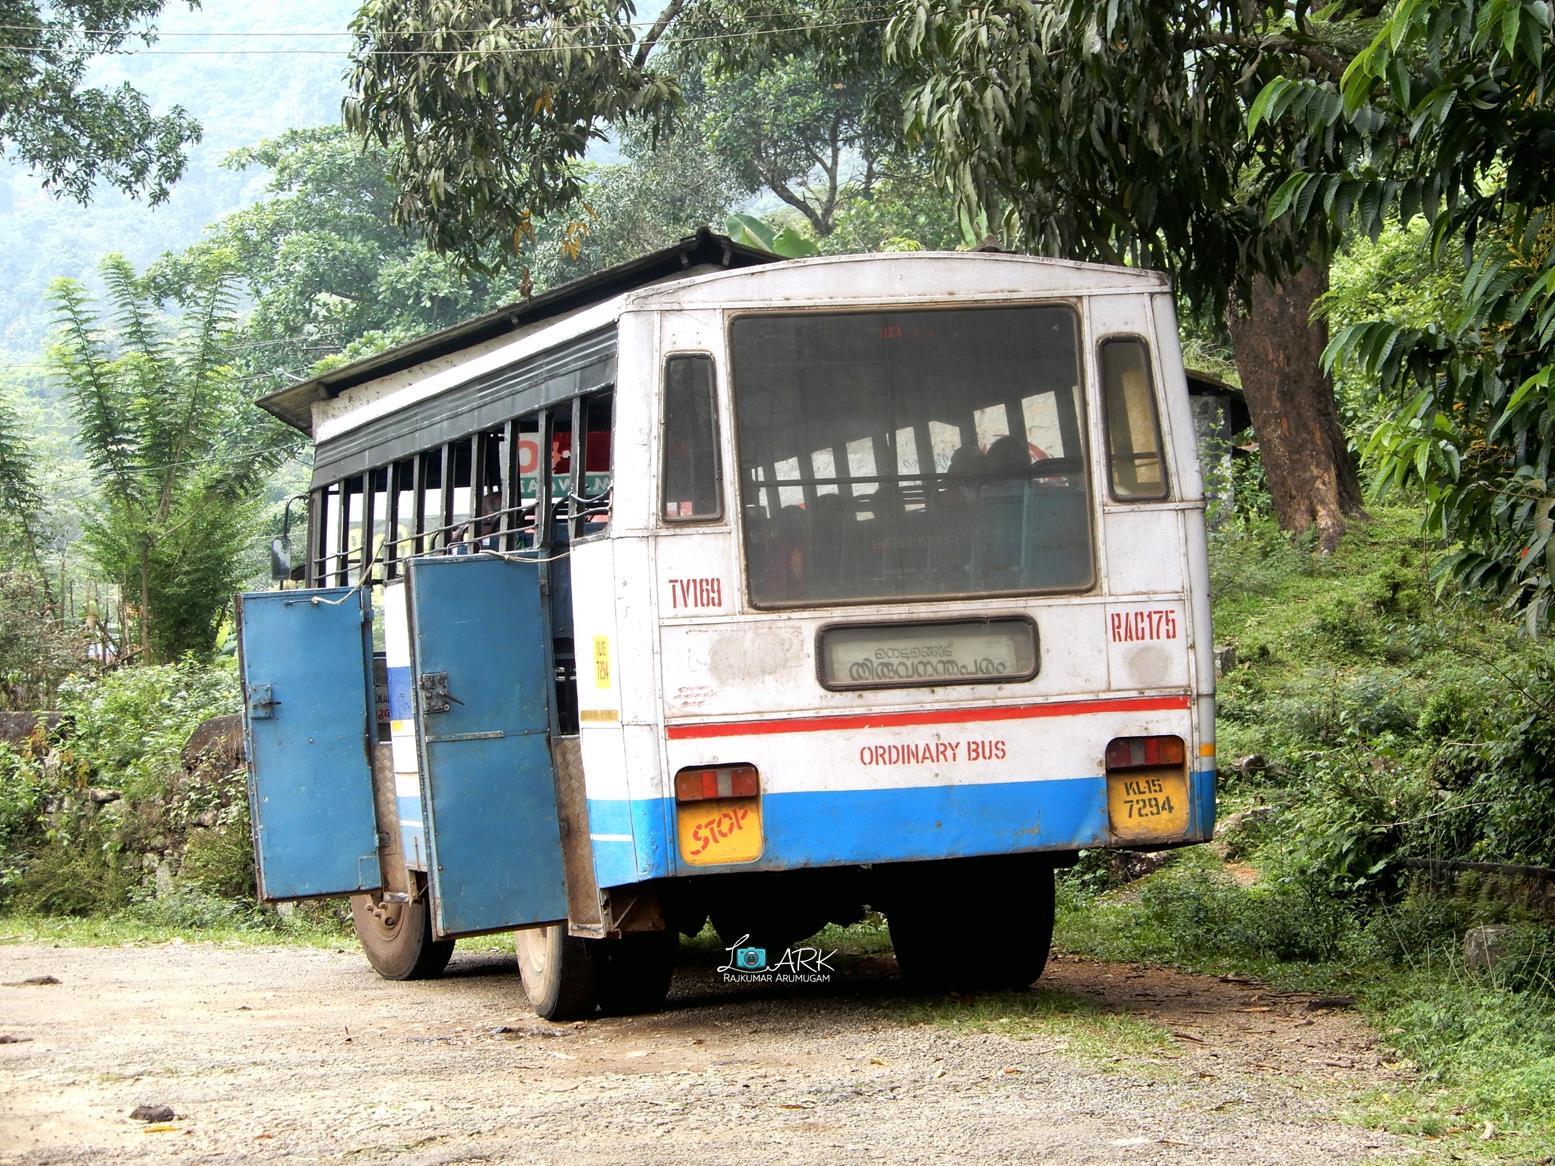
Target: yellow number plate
[(1148, 804), (720, 830)]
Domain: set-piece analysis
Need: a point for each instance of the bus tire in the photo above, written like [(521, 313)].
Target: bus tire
[(397, 937), (635, 974), (560, 972), (919, 936)]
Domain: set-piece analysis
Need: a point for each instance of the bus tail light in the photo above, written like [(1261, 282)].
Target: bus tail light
[(1144, 752), (723, 781), (1147, 789)]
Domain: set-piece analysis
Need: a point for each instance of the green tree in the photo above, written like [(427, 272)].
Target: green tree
[(1119, 134), (178, 452), (322, 263), (72, 135), (489, 105), (663, 190), (21, 497), (1448, 115)]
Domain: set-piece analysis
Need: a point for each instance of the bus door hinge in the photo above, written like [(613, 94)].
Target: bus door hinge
[(434, 692)]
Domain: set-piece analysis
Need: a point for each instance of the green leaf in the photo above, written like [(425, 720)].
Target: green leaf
[(1287, 192)]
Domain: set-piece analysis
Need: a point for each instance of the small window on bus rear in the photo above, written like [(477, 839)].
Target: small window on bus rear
[(1134, 455), (692, 491)]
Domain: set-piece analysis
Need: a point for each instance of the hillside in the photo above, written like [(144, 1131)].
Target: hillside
[(210, 61)]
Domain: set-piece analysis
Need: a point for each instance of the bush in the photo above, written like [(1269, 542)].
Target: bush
[(1207, 915), (21, 795), (79, 870), (219, 860), (131, 725), (129, 731)]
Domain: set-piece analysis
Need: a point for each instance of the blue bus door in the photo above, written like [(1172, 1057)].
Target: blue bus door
[(480, 653), (306, 663)]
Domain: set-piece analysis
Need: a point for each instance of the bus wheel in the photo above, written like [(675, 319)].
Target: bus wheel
[(561, 972), (636, 971), (918, 930), (397, 937)]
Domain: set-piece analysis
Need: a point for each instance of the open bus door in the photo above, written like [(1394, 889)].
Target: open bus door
[(480, 653), (306, 665)]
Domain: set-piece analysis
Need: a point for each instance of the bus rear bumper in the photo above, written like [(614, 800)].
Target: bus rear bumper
[(637, 840)]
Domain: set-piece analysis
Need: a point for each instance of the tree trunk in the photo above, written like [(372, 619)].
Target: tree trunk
[(1311, 475)]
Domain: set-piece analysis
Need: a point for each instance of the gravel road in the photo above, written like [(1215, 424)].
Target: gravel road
[(303, 1055)]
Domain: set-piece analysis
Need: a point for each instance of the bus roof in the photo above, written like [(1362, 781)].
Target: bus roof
[(294, 404)]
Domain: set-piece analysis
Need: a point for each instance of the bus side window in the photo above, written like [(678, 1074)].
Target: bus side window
[(691, 472), (523, 470), (353, 554), (328, 539), (591, 509), (1134, 455), (429, 502)]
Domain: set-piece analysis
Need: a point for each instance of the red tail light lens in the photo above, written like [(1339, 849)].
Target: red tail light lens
[(1144, 752), (722, 781)]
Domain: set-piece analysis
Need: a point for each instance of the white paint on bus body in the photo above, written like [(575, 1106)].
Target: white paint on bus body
[(698, 676)]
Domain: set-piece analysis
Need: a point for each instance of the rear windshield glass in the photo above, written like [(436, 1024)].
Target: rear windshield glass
[(911, 454)]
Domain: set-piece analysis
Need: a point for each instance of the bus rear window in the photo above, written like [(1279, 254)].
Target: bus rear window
[(911, 454), (691, 469), (1137, 469)]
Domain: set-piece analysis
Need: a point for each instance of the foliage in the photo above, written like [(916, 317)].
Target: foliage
[(321, 262), (36, 650), (178, 451), (906, 209), (662, 191), (1447, 116), (490, 104), (1116, 134), (63, 852), (488, 133), (130, 726), (796, 100), (1394, 725), (73, 135), (21, 794), (21, 497), (785, 241)]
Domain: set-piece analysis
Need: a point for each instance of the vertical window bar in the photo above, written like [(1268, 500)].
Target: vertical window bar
[(364, 568), (579, 458), (418, 505), (511, 493), (446, 519)]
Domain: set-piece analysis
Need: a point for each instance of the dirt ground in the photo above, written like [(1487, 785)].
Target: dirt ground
[(303, 1055)]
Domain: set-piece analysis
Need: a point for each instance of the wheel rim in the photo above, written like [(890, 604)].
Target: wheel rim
[(385, 920), (533, 947)]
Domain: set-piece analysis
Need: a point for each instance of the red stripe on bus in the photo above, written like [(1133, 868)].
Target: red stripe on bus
[(1018, 712)]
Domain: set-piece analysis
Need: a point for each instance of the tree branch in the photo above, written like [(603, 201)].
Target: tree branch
[(666, 18), (1330, 64)]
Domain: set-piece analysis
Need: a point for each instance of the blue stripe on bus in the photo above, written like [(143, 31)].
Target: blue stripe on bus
[(1201, 797), (400, 705), (838, 827)]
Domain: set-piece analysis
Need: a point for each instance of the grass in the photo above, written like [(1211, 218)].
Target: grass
[(1483, 1052), (1072, 1023), (120, 930)]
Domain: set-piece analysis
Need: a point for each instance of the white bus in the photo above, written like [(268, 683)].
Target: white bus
[(765, 592)]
